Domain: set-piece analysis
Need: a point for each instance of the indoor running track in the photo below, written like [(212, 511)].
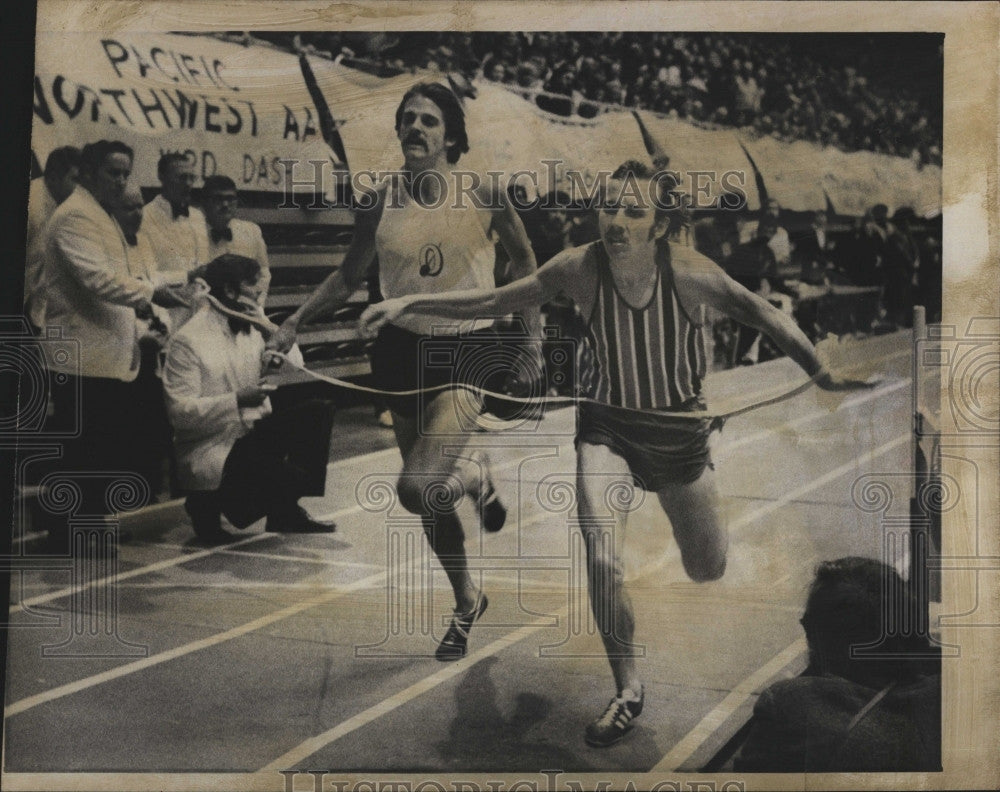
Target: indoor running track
[(313, 652)]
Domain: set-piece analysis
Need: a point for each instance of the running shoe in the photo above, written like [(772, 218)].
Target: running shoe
[(454, 644), (617, 721)]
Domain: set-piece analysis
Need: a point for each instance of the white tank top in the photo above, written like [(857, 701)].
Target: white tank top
[(430, 251)]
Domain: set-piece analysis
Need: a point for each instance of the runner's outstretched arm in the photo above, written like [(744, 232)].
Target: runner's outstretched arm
[(530, 291), (337, 288), (709, 285), (515, 241)]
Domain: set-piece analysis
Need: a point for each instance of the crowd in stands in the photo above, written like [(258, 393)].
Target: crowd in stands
[(852, 92), (843, 275)]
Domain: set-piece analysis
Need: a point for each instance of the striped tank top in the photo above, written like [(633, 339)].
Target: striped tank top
[(644, 358)]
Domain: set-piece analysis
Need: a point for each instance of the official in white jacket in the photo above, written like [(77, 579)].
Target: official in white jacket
[(234, 455), (95, 291), (176, 229)]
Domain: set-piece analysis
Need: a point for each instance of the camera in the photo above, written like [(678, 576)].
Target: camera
[(40, 364), (506, 383)]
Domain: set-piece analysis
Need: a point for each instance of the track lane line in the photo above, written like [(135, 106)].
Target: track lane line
[(724, 445), (225, 550), (70, 688), (740, 695), (363, 718), (523, 632), (693, 740), (165, 564), (397, 700)]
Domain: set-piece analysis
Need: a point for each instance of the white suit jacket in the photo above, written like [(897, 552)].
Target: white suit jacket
[(179, 243), (206, 364), (92, 288)]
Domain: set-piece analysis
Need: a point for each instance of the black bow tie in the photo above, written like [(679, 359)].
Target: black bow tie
[(179, 210), (225, 233), (132, 240)]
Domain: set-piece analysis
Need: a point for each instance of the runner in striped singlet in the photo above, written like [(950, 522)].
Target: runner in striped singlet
[(653, 355), (640, 296)]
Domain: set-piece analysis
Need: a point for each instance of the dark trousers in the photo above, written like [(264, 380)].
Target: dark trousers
[(155, 436), (283, 458), (116, 422)]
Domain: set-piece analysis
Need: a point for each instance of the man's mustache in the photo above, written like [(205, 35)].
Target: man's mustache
[(414, 137)]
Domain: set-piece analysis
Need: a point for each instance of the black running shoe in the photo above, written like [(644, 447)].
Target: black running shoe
[(617, 721), (454, 644)]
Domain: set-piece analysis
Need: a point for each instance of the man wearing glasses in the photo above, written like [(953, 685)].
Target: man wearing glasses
[(226, 234)]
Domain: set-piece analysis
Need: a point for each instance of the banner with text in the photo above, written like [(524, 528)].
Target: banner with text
[(234, 110)]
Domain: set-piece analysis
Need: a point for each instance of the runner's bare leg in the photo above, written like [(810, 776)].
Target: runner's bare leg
[(603, 530), (703, 540), (426, 466)]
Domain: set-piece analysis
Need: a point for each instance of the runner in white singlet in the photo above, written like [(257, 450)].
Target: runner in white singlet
[(427, 246), (426, 251)]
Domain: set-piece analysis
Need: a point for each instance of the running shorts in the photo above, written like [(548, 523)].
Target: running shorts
[(659, 449), (405, 361)]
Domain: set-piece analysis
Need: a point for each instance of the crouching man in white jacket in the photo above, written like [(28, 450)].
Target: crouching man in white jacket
[(234, 455)]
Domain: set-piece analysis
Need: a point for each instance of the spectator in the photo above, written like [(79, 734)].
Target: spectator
[(61, 171), (813, 249), (752, 265), (234, 456), (778, 241), (129, 212), (868, 249), (747, 95), (528, 76), (717, 237), (929, 276), (902, 260), (548, 226), (870, 700), (94, 297), (227, 234), (176, 229)]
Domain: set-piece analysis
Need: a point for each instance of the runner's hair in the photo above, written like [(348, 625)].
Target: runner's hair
[(451, 111)]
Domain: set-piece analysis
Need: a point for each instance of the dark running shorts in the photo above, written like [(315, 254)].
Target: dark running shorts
[(400, 362), (659, 449)]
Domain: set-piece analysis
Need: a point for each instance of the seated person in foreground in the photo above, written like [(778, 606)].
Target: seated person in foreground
[(234, 456), (876, 711)]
